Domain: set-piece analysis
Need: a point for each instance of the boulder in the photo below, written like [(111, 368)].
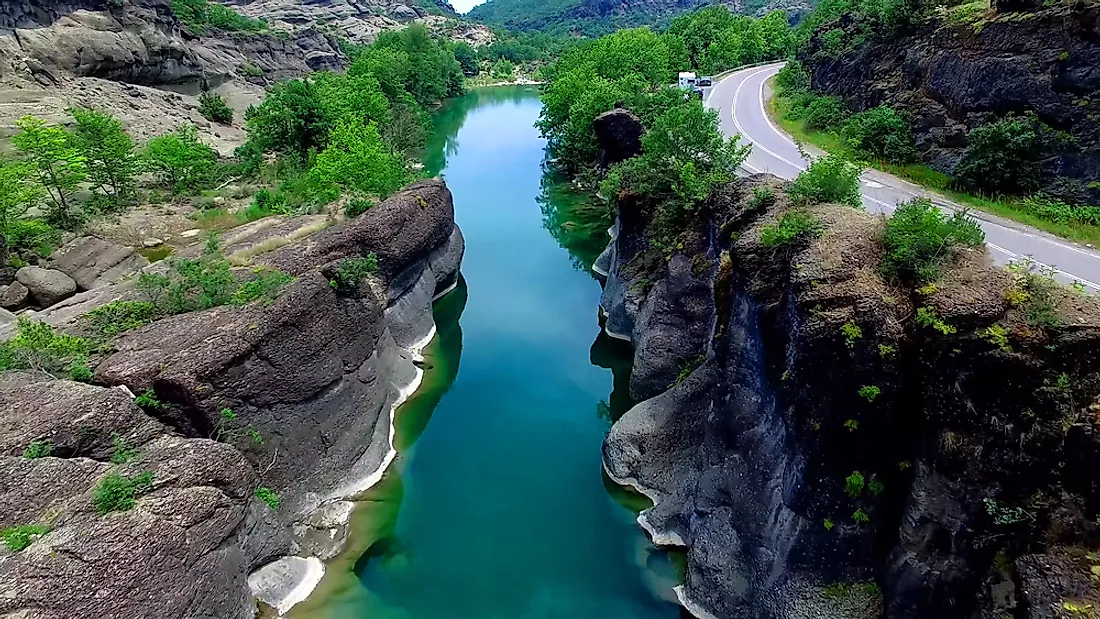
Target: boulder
[(620, 136), (47, 286), (15, 296), (93, 262), (402, 12), (6, 318)]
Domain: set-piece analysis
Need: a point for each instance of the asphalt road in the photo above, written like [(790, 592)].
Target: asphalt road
[(740, 97)]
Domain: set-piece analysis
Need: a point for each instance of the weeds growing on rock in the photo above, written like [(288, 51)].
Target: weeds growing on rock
[(996, 335), (794, 228), (20, 537), (927, 317), (226, 429), (762, 198), (1005, 515), (851, 425), (121, 451), (919, 238), (875, 487), (854, 484), (351, 271), (38, 449), (37, 347), (267, 495), (117, 493), (687, 368), (149, 402), (1034, 293), (829, 179), (869, 392), (860, 517), (828, 524), (213, 108), (121, 316), (357, 206), (852, 333), (886, 351)]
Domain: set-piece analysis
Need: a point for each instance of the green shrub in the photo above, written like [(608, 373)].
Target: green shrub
[(37, 347), (919, 238), (869, 392), (1052, 209), (180, 160), (881, 133), (831, 178), (264, 284), (792, 78), (149, 402), (350, 271), (38, 449), (357, 206), (250, 70), (886, 351), (122, 316), (996, 335), (851, 332), (819, 111), (854, 483), (121, 450), (762, 198), (20, 537), (31, 236), (200, 15), (1004, 157), (860, 517), (80, 371), (927, 317), (213, 108), (267, 495), (116, 493), (1034, 292), (794, 228), (875, 487)]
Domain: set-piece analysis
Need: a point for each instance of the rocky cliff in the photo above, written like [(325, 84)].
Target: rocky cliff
[(827, 444), (952, 77), (312, 379)]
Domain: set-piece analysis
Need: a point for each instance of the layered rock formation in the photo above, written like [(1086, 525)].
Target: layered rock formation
[(311, 378), (361, 21), (950, 78), (822, 452)]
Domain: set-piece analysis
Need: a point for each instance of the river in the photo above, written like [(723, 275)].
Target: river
[(496, 507)]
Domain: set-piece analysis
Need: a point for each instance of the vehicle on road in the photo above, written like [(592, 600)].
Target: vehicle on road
[(704, 82), (686, 80)]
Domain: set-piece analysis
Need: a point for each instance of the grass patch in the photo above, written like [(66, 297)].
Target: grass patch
[(18, 538), (1022, 210), (117, 493), (793, 229)]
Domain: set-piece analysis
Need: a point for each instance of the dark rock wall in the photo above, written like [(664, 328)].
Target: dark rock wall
[(952, 78), (746, 455)]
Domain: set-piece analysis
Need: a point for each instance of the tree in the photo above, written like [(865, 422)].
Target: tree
[(18, 193), (109, 151), (290, 120), (180, 160), (60, 166), (503, 69), (407, 127), (1004, 156), (357, 159), (213, 108), (467, 58)]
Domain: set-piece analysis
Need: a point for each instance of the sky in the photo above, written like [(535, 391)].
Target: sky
[(465, 5)]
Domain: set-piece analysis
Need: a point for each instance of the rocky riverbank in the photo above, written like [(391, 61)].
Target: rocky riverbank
[(311, 379), (826, 443)]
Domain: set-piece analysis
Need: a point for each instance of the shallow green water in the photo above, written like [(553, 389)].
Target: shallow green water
[(497, 506)]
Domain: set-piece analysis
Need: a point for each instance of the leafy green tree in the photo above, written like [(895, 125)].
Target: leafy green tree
[(18, 193), (1004, 156), (881, 132), (407, 127), (467, 58), (213, 108), (180, 160), (389, 66), (685, 158), (350, 96), (59, 165), (290, 120), (432, 72), (831, 178), (357, 159), (503, 69), (112, 163)]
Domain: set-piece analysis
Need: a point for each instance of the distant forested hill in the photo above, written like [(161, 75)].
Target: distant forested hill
[(595, 17)]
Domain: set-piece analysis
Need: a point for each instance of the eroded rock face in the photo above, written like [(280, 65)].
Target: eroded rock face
[(620, 132), (311, 378), (751, 364), (950, 79), (93, 262)]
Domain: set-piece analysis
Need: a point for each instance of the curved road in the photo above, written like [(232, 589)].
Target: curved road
[(739, 98)]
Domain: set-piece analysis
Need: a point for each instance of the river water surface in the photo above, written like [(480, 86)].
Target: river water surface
[(496, 506)]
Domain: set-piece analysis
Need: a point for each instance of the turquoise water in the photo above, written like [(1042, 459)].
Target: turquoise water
[(497, 504)]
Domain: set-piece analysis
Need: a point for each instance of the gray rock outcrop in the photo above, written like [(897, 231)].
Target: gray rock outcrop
[(620, 135), (15, 296), (46, 286), (312, 379), (93, 262)]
